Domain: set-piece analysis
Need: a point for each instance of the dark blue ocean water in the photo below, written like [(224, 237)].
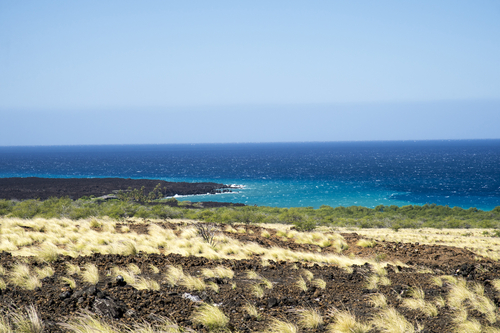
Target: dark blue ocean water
[(455, 173)]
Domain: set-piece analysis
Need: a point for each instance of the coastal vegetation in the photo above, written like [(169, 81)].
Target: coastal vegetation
[(303, 218)]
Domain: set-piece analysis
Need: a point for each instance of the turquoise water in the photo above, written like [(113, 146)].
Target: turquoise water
[(454, 173), (302, 194)]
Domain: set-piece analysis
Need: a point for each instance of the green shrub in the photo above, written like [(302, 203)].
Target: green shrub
[(305, 225), (5, 207), (25, 209)]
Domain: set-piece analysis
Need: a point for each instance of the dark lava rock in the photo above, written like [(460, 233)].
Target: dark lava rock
[(120, 281), (465, 270), (131, 313), (91, 291), (65, 295), (74, 188), (108, 307), (272, 302)]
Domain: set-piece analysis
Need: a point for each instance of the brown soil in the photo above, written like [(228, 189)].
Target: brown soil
[(75, 188), (343, 290)]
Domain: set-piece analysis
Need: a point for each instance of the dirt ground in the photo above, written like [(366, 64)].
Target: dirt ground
[(345, 289)]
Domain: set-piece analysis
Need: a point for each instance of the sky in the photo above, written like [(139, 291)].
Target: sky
[(130, 72)]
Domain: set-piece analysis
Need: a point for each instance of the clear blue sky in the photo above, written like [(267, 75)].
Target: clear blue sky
[(118, 72)]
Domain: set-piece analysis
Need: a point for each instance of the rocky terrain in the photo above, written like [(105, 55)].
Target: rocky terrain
[(75, 188), (278, 294)]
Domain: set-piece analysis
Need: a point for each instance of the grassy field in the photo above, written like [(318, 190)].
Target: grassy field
[(47, 253)]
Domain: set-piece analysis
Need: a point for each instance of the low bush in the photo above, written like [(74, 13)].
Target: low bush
[(303, 218)]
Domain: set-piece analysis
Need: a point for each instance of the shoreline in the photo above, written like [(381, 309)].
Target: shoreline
[(19, 188)]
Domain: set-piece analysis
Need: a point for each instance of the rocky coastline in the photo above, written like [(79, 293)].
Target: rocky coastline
[(18, 188)]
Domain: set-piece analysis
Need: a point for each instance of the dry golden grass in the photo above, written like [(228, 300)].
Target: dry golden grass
[(192, 283), (69, 281), (154, 269), (213, 286), (417, 302), (391, 321), (134, 269), (21, 276), (346, 322), (3, 285), (257, 290), (211, 317), (146, 284), (366, 243), (279, 326), (378, 300), (72, 269), (307, 274), (372, 282), (90, 274), (310, 319), (265, 234), (87, 323), (253, 275), (42, 273), (174, 275), (319, 283), (223, 272), (78, 238), (252, 310), (478, 241), (27, 321), (301, 284)]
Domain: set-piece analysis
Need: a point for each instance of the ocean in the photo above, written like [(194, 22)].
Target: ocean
[(464, 173)]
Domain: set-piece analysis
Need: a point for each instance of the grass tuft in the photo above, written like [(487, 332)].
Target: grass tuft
[(366, 243), (469, 326), (146, 284), (278, 326), (85, 322), (252, 310), (345, 322), (27, 321), (223, 272), (211, 317), (193, 283), (72, 269), (265, 234), (372, 282), (301, 284), (162, 325), (44, 272), (310, 319), (391, 321), (20, 276), (308, 274), (153, 269), (69, 281), (208, 273), (174, 275), (257, 290), (134, 269), (90, 274), (253, 275), (266, 283), (48, 252), (319, 283), (378, 300), (213, 286)]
